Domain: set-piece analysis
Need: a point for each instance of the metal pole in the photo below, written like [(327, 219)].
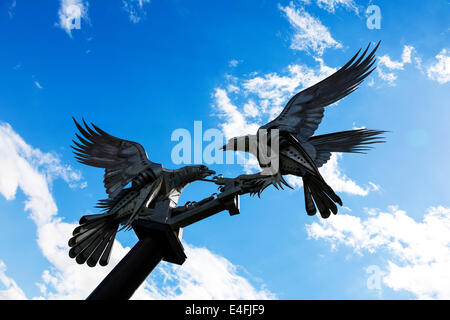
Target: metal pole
[(131, 271), (157, 241)]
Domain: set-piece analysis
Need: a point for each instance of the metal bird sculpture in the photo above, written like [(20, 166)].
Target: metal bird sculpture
[(299, 152), (124, 162), (143, 195)]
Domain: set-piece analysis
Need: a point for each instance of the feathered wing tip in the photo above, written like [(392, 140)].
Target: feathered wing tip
[(97, 148), (349, 77), (361, 67), (88, 138), (367, 138), (92, 241)]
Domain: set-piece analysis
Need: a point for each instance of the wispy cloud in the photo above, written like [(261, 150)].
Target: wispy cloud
[(419, 259), (37, 84), (12, 8), (332, 5), (386, 66), (310, 34), (261, 97), (10, 290), (440, 69), (235, 123), (205, 275), (71, 13), (340, 182), (273, 89), (233, 63), (135, 9)]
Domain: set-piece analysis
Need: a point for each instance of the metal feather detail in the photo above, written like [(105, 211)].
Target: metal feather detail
[(304, 111), (122, 160)]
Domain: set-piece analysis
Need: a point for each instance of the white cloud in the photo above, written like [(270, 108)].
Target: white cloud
[(273, 90), (37, 84), (331, 5), (392, 65), (310, 34), (386, 65), (19, 157), (440, 70), (233, 63), (135, 9), (204, 275), (374, 187), (10, 290), (235, 123), (407, 53), (420, 251), (70, 14), (250, 109), (232, 88), (340, 182), (11, 9)]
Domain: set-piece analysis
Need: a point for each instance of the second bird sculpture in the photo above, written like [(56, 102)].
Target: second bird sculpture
[(299, 152)]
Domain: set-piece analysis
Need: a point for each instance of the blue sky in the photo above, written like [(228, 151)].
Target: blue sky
[(141, 69)]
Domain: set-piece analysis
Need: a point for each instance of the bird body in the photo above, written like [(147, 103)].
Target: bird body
[(295, 150), (124, 162)]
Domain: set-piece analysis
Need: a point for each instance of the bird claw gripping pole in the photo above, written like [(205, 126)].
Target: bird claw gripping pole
[(168, 222), (191, 212), (159, 238)]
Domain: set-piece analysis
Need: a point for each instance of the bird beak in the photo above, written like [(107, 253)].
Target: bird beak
[(224, 147), (210, 172)]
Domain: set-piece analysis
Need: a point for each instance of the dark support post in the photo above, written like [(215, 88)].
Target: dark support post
[(130, 272), (156, 242)]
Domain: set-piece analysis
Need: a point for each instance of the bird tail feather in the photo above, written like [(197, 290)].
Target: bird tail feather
[(354, 141), (93, 239), (319, 194)]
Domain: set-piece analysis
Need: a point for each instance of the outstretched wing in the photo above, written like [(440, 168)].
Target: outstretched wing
[(304, 112), (123, 160)]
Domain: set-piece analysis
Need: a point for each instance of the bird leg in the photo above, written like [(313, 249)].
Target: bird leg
[(253, 183)]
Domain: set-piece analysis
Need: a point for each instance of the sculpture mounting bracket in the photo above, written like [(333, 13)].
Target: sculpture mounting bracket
[(173, 250)]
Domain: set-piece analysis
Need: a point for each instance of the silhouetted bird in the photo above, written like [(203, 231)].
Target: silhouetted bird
[(301, 153), (124, 162)]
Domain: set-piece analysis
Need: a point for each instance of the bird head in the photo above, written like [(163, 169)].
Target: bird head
[(204, 171), (239, 143), (198, 172)]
